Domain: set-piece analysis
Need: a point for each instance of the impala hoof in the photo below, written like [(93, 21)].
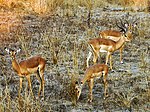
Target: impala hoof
[(42, 98), (105, 96), (121, 62), (89, 101), (112, 70), (36, 97)]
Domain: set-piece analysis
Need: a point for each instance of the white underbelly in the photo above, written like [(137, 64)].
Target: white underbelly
[(103, 48), (97, 75), (113, 38), (32, 70)]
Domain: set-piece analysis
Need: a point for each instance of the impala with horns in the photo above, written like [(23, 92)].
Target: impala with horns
[(95, 71), (106, 45), (115, 35), (26, 67)]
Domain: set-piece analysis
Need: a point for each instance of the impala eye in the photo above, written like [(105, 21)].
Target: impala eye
[(76, 82)]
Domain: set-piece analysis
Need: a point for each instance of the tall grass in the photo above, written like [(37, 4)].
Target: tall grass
[(37, 6), (24, 104), (49, 6)]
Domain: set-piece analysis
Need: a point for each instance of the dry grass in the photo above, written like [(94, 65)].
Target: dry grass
[(37, 6), (49, 6), (24, 104), (71, 90)]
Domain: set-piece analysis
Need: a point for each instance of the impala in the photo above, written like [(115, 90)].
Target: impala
[(115, 35), (26, 67), (107, 45), (91, 73)]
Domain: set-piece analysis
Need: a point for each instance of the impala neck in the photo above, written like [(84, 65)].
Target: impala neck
[(129, 36), (16, 65), (85, 78), (120, 42)]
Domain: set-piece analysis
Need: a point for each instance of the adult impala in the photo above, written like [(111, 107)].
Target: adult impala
[(91, 73), (26, 67), (107, 45), (115, 35)]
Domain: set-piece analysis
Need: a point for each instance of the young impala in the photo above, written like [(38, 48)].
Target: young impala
[(25, 68), (91, 73), (115, 35), (107, 45)]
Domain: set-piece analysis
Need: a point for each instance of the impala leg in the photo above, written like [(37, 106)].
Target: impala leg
[(110, 59), (96, 53), (88, 58), (43, 82), (121, 50), (40, 80), (20, 87), (90, 84), (29, 84), (105, 85), (107, 57)]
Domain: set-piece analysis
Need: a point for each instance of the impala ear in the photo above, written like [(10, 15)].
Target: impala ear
[(123, 32), (126, 25), (18, 50), (135, 24), (7, 50)]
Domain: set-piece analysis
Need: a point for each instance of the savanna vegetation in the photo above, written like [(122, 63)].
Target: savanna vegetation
[(58, 30)]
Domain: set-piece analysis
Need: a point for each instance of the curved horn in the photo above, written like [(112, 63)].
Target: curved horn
[(6, 49), (126, 21), (121, 27), (122, 24), (135, 20)]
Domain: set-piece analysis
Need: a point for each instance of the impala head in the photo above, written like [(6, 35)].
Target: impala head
[(78, 89), (127, 28), (12, 53)]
